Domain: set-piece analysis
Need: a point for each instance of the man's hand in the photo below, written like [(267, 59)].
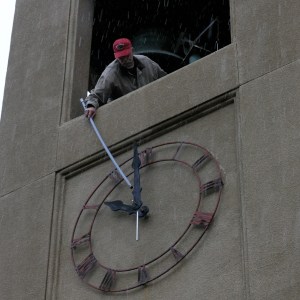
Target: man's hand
[(90, 112)]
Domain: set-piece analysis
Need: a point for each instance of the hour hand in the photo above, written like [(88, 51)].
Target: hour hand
[(136, 163), (119, 205)]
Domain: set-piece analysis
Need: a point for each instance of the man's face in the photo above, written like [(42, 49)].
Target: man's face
[(126, 61)]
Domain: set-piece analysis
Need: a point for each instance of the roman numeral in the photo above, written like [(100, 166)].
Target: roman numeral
[(108, 280), (86, 265), (200, 162), (145, 156), (201, 218), (178, 255), (211, 186), (82, 240), (143, 276)]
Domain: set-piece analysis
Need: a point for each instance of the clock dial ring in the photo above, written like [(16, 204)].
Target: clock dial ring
[(78, 241)]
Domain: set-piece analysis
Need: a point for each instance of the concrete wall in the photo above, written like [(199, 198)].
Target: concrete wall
[(241, 103)]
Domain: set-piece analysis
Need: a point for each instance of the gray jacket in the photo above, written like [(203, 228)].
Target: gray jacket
[(116, 81)]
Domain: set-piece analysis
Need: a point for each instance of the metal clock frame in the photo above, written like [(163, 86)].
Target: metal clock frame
[(201, 219)]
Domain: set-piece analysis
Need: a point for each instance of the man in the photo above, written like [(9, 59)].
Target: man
[(125, 74)]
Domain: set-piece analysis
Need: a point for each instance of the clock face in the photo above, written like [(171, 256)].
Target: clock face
[(113, 250)]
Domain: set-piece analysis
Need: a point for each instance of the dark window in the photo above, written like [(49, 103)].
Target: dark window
[(173, 33)]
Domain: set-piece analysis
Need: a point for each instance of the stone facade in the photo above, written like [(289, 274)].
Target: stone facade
[(241, 103)]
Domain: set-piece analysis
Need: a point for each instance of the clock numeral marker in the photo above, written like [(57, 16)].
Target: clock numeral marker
[(201, 218), (178, 151), (178, 255), (115, 176), (199, 162), (145, 156), (211, 186), (143, 276), (86, 265), (82, 240), (108, 280)]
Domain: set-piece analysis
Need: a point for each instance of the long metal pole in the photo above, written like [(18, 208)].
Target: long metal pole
[(105, 147)]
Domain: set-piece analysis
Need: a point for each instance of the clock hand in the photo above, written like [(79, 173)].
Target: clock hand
[(136, 163), (119, 205), (137, 206), (137, 200)]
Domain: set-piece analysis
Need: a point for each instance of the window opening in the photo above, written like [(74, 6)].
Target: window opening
[(173, 33)]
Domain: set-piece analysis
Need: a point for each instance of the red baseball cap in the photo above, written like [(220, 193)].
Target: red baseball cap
[(122, 47)]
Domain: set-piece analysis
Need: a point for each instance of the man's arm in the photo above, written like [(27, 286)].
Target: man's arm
[(98, 96), (158, 70)]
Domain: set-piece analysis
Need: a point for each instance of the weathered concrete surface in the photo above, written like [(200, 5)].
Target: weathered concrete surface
[(78, 56), (25, 232), (216, 261), (33, 92), (267, 35), (269, 114)]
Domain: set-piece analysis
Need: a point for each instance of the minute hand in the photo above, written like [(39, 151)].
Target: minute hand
[(136, 163)]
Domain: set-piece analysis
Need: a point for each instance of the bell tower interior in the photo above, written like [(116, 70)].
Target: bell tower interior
[(172, 33)]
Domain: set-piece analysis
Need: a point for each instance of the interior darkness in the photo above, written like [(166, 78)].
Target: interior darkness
[(173, 33)]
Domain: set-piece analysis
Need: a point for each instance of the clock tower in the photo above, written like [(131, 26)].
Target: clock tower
[(217, 140)]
